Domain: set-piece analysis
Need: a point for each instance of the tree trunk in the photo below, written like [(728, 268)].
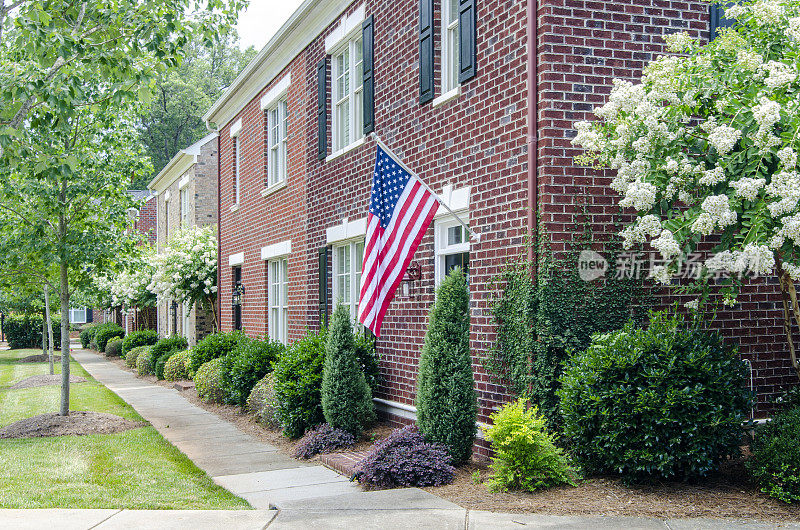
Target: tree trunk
[(214, 322), (49, 326), (790, 309)]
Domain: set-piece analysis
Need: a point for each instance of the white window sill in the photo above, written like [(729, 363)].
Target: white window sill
[(354, 145), (235, 207), (272, 189), (447, 96)]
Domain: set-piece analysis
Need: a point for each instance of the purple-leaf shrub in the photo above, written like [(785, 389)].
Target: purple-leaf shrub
[(404, 458), (322, 439)]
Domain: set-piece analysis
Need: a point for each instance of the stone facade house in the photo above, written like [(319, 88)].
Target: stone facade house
[(186, 195), (478, 97)]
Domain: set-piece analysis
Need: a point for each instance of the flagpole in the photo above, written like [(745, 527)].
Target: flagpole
[(385, 147)]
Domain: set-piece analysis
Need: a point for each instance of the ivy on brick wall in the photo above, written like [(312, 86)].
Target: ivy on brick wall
[(541, 321)]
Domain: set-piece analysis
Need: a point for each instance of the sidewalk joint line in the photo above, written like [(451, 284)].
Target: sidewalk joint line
[(107, 518)]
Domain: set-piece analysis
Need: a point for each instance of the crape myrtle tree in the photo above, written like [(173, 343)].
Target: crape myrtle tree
[(69, 72), (186, 270), (127, 286), (705, 151)]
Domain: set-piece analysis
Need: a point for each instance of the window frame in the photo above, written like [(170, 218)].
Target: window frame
[(184, 206), (277, 148), (74, 311), (353, 275), (352, 45), (441, 247), (278, 277), (450, 49)]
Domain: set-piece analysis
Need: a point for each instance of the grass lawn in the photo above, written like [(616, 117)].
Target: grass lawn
[(134, 469)]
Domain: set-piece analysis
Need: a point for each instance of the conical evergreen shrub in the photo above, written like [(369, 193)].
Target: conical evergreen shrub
[(346, 397), (446, 403)]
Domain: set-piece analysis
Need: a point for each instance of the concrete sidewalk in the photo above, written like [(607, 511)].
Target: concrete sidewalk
[(287, 493)]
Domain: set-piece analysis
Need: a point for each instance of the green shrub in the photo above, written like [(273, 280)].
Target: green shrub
[(132, 356), (25, 331), (447, 407), (208, 381), (346, 397), (262, 403), (244, 366), (113, 347), (144, 337), (213, 346), (87, 333), (106, 331), (663, 402), (162, 350), (143, 366), (525, 455), (368, 359), (176, 368), (298, 384), (775, 464)]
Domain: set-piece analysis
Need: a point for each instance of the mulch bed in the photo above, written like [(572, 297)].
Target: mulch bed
[(45, 380), (77, 423), (40, 358)]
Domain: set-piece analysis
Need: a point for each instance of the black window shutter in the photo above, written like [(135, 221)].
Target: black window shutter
[(322, 108), (89, 315), (323, 286), (717, 18), (368, 49), (468, 53), (425, 51)]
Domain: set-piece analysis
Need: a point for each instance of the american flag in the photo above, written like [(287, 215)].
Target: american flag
[(401, 208)]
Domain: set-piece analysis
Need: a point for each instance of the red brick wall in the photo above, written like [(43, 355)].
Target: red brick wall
[(146, 223)]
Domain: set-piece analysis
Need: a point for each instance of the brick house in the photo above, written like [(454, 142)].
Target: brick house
[(444, 84), (186, 195)]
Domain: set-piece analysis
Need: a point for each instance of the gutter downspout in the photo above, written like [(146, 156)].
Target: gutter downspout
[(533, 133)]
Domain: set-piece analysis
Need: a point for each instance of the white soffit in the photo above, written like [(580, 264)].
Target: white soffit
[(277, 250), (346, 230), (236, 259), (276, 92)]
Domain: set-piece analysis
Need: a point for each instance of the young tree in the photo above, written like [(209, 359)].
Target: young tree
[(346, 397), (69, 72), (447, 407), (705, 150)]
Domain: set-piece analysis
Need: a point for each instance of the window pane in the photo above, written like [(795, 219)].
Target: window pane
[(359, 256), (453, 11), (285, 283), (455, 235), (452, 261)]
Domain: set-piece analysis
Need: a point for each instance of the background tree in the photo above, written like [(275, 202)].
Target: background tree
[(705, 151), (173, 120)]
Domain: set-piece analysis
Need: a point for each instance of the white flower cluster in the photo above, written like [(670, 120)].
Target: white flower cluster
[(712, 176), (647, 225), (678, 42), (666, 245), (793, 31), (187, 268), (640, 195), (692, 305), (625, 96), (793, 270), (767, 113), (758, 259), (785, 187), (748, 188), (749, 60), (779, 74), (719, 210), (735, 11), (723, 138), (661, 274), (767, 12), (788, 158), (587, 137)]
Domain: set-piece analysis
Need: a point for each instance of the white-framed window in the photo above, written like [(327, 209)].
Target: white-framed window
[(278, 298), (348, 260), (166, 217), (184, 208), (348, 92), (186, 310), (237, 169), (77, 315), (277, 125), (451, 241), (450, 51)]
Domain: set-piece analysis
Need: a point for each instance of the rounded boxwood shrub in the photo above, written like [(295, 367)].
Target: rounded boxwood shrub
[(105, 332), (176, 368), (298, 384), (143, 337), (213, 346), (132, 356), (447, 406), (775, 463), (161, 351), (262, 403), (346, 396), (663, 402), (114, 347), (143, 366), (322, 440), (208, 381), (25, 331), (525, 455), (244, 366), (87, 334), (404, 458)]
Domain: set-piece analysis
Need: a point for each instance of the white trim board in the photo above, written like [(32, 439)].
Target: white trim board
[(276, 92), (347, 26), (409, 412), (236, 128), (276, 250), (456, 199), (346, 230), (236, 259)]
